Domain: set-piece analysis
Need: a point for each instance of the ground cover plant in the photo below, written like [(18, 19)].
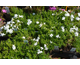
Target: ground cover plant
[(34, 36)]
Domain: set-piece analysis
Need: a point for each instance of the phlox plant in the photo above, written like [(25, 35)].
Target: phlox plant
[(16, 23), (54, 21), (39, 33)]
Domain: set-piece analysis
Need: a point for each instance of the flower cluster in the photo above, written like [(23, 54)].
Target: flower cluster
[(29, 22), (52, 8), (39, 52), (45, 47), (37, 40), (40, 33), (76, 29), (11, 26)]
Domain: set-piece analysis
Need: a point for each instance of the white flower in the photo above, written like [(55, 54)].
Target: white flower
[(72, 16), (76, 33), (12, 22), (13, 47), (21, 16), (2, 34), (51, 35), (29, 22), (71, 30), (77, 18), (6, 27), (50, 41), (46, 48), (44, 45), (41, 48), (35, 44), (37, 22), (63, 18), (40, 25), (14, 26), (62, 28), (53, 14), (57, 36), (78, 14), (33, 13), (15, 16), (11, 25), (9, 31), (23, 37), (39, 51), (76, 28), (67, 14), (38, 38), (8, 22), (18, 21)]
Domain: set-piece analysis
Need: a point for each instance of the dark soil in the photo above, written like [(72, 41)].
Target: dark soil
[(64, 53)]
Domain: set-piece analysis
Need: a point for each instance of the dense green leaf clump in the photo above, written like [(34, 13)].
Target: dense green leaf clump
[(39, 33)]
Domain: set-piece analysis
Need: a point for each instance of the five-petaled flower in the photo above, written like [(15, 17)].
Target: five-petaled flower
[(51, 35), (23, 37), (0, 19), (4, 11), (13, 47)]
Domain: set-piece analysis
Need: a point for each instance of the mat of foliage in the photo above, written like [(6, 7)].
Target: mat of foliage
[(39, 33)]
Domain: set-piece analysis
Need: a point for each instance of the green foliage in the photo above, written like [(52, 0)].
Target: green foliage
[(39, 33)]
